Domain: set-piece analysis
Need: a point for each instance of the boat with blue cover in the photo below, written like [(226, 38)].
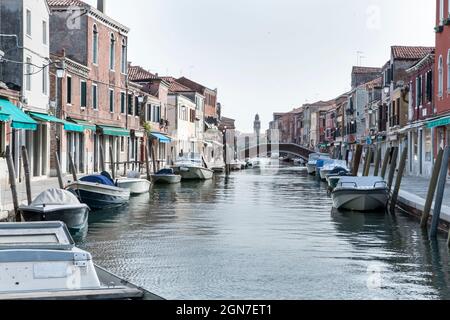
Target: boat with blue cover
[(99, 192), (166, 176)]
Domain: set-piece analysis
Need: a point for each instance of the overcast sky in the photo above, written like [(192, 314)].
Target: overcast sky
[(268, 56)]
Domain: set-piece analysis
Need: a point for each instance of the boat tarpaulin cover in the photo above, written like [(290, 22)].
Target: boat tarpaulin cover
[(55, 197), (98, 179), (20, 120), (167, 171)]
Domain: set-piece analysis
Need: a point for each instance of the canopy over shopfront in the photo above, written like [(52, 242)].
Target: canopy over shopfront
[(68, 126), (162, 138), (18, 118), (114, 131)]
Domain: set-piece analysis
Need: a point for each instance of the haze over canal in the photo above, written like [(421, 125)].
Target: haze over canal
[(268, 234)]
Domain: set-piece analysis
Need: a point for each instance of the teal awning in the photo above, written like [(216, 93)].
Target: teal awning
[(68, 126), (162, 138), (438, 123), (115, 131), (87, 125), (20, 120)]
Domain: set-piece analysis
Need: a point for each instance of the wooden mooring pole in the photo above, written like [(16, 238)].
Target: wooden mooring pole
[(72, 167), (432, 190), (147, 163), (113, 167), (398, 183), (13, 183), (59, 171), (440, 193), (154, 159), (26, 169), (386, 162), (102, 159), (392, 169), (357, 160), (377, 162), (368, 163)]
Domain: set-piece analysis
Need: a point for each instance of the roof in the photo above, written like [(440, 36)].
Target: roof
[(426, 62), (376, 83), (137, 73), (193, 85), (175, 86), (364, 70), (58, 5), (410, 53)]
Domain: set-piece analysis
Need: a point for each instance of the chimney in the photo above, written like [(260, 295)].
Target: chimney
[(101, 5)]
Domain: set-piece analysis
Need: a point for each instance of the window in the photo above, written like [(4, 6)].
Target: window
[(28, 72), (149, 113), (95, 45), (136, 106), (440, 77), (418, 92), (44, 32), (429, 86), (83, 95), (122, 102), (111, 100), (28, 21), (441, 12), (448, 71), (130, 105), (94, 96), (69, 89), (45, 80), (157, 114), (123, 66), (112, 52)]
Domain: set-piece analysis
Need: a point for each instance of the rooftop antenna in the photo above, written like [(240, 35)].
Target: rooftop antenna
[(359, 58)]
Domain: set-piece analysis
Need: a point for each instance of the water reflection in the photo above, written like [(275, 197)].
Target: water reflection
[(265, 234)]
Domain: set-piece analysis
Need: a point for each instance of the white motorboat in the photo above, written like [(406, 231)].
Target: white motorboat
[(134, 183), (99, 192), (166, 176), (254, 163), (330, 166), (312, 162), (57, 205), (237, 165), (39, 261), (192, 168), (361, 194)]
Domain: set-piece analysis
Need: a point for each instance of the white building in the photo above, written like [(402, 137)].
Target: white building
[(24, 25)]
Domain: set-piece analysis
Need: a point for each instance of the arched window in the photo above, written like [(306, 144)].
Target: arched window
[(124, 56), (440, 77), (95, 45), (112, 52), (448, 71)]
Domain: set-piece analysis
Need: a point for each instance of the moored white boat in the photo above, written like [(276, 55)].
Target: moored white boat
[(191, 168), (57, 205), (43, 263), (360, 194), (312, 162), (332, 165), (237, 165), (134, 183), (99, 192), (166, 176)]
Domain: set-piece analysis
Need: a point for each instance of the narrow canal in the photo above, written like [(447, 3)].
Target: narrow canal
[(265, 234)]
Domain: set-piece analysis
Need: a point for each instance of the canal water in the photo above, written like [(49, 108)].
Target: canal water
[(265, 234)]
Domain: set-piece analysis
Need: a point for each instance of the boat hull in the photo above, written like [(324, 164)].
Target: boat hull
[(166, 178), (193, 173), (75, 218), (136, 186), (98, 196), (323, 174), (311, 168), (360, 200)]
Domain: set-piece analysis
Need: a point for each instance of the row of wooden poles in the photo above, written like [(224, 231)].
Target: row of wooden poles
[(436, 186), (26, 167)]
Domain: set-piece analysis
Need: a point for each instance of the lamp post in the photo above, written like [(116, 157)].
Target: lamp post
[(60, 73)]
